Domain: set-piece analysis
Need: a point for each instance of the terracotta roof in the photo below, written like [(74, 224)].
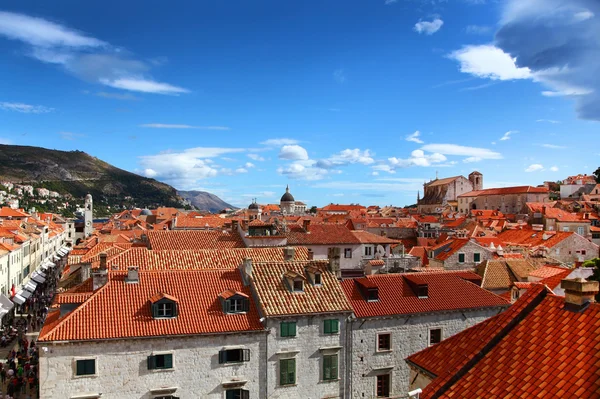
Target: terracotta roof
[(451, 246), (276, 299), (547, 271), (502, 273), (197, 260), (339, 208), (534, 349), (562, 216), (446, 291), (531, 238), (439, 182), (122, 310), (6, 212), (200, 222), (321, 234), (193, 239), (506, 191), (420, 252)]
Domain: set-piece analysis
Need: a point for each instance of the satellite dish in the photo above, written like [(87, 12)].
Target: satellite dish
[(380, 249)]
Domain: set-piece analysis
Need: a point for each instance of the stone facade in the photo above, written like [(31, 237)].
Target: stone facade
[(409, 334), (437, 193), (507, 203), (122, 368), (574, 248), (453, 261)]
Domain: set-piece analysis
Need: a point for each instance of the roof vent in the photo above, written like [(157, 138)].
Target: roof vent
[(133, 275), (419, 286), (579, 293)]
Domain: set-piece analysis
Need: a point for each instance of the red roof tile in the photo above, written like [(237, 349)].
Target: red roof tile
[(446, 291), (506, 191), (193, 239)]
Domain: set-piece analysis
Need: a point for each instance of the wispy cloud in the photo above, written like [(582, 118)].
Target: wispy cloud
[(536, 167), (25, 108), (508, 134), (347, 157), (388, 2), (180, 126), (479, 87), (478, 29), (454, 149), (548, 121), (70, 135), (117, 96), (256, 157), (278, 142), (414, 137), (82, 55), (554, 169), (339, 75), (553, 146), (429, 27)]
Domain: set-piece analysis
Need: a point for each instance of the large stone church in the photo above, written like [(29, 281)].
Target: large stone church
[(288, 206), (440, 194)]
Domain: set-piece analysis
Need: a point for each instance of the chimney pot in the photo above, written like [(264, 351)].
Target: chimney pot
[(103, 257), (311, 254), (288, 253), (247, 265), (579, 293), (133, 275)]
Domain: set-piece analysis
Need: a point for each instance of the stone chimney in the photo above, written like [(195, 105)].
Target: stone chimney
[(86, 269), (103, 257), (288, 253), (306, 225), (133, 275), (99, 278), (579, 293), (311, 254), (334, 261), (247, 267), (234, 226)]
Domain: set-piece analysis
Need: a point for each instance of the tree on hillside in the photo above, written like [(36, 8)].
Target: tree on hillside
[(597, 174), (595, 263)]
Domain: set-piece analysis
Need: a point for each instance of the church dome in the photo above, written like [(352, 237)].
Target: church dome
[(287, 197), (146, 212), (253, 205)]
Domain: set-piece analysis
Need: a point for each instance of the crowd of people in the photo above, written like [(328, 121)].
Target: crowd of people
[(19, 375)]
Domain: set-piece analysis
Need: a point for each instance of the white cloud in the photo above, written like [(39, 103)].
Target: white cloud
[(507, 135), (347, 157), (536, 167), (454, 149), (414, 137), (278, 142), (339, 75), (143, 85), (417, 158), (256, 157), (249, 165), (176, 126), (571, 91), (548, 121), (25, 108), (241, 170), (478, 29), (487, 61), (583, 16), (293, 152), (428, 27), (472, 159), (553, 146), (183, 169), (554, 169), (297, 170), (388, 2), (41, 33), (117, 96)]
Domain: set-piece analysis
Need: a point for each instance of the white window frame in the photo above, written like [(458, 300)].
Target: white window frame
[(236, 305), (94, 358), (429, 335)]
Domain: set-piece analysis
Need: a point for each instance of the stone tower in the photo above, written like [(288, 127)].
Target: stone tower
[(88, 216), (476, 180)]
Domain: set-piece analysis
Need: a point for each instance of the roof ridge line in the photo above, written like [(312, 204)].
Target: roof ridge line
[(492, 343)]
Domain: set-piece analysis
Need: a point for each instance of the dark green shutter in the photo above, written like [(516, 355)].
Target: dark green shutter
[(226, 306), (477, 257), (335, 326), (175, 309), (327, 327), (151, 362), (292, 371), (80, 367), (245, 305), (230, 394), (245, 394), (154, 310), (461, 258), (222, 356), (283, 329), (334, 367), (326, 367), (168, 361), (292, 328), (282, 372)]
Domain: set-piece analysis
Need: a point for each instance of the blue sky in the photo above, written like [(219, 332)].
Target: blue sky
[(345, 101)]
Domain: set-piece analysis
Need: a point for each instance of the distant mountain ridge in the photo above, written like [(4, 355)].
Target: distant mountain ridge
[(205, 200), (78, 173)]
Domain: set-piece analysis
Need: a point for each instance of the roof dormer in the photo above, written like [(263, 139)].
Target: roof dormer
[(164, 306), (315, 275), (295, 281), (418, 286), (368, 289), (234, 302)]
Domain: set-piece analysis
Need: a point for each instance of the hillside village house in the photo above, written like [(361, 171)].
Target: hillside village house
[(399, 314), (506, 199), (572, 184)]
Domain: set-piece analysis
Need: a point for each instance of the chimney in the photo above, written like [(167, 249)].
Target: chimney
[(86, 269), (544, 210), (334, 261), (133, 275), (103, 260), (288, 253), (99, 278), (579, 293), (247, 267), (500, 250), (311, 254), (234, 226), (306, 225)]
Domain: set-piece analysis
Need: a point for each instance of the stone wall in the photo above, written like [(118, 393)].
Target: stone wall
[(469, 249)]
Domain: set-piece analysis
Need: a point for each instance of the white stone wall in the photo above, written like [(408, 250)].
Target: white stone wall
[(122, 372), (321, 252), (309, 341), (408, 336)]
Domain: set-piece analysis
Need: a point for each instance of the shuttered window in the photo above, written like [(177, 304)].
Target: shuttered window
[(330, 367), (287, 371), (331, 326), (234, 355), (164, 361), (287, 329), (86, 367)]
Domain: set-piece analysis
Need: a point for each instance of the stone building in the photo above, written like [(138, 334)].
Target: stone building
[(397, 315), (458, 254), (506, 199), (439, 194)]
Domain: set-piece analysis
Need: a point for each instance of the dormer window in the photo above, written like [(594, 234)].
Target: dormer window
[(163, 306), (317, 279), (234, 302), (314, 275), (298, 285), (294, 280)]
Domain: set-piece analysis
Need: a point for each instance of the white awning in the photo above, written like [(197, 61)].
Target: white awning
[(49, 264), (44, 266), (18, 299), (61, 252), (41, 272), (5, 305), (24, 293), (37, 277), (54, 257), (30, 286)]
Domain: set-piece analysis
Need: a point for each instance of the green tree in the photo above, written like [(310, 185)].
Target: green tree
[(595, 263), (597, 174)]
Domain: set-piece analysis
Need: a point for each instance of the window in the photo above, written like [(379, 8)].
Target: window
[(331, 326), (461, 258), (287, 371), (565, 229), (86, 367), (477, 257), (237, 394), (330, 367), (234, 355), (368, 251), (435, 336), (317, 280), (287, 329), (348, 253), (580, 230), (164, 309), (383, 386), (235, 305), (384, 342), (298, 285), (160, 362)]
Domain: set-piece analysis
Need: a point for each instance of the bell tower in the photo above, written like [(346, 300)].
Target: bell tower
[(88, 216), (476, 180)]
